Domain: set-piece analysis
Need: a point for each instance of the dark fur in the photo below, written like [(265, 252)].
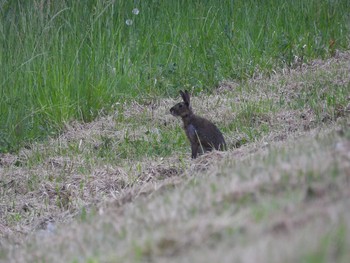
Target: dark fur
[(203, 134)]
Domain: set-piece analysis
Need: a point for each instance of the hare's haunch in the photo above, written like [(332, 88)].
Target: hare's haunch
[(203, 134)]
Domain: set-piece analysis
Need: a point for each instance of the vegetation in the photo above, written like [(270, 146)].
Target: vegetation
[(123, 188), (93, 168), (73, 60)]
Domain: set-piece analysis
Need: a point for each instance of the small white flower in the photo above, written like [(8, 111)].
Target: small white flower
[(128, 22), (135, 11)]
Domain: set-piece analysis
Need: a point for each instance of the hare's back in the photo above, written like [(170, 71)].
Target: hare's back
[(209, 134)]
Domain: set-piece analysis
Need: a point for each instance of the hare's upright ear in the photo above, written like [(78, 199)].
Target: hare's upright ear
[(186, 97)]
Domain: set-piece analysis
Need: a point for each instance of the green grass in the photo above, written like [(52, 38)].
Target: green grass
[(254, 111), (72, 60), (124, 188)]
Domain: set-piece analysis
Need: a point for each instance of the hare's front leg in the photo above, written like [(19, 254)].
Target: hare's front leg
[(194, 149), (191, 134)]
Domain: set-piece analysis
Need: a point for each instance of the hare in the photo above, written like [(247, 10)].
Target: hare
[(203, 135)]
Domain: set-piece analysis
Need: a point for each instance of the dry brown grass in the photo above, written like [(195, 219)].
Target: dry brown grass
[(290, 185), (267, 206)]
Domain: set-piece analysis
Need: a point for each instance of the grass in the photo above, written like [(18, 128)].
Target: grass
[(122, 188), (73, 61), (114, 181), (246, 114), (226, 212)]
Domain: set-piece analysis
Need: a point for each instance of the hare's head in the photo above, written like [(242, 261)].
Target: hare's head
[(182, 109)]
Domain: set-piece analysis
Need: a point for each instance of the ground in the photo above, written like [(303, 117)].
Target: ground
[(124, 189)]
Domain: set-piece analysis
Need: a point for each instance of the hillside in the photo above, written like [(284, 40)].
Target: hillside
[(124, 189)]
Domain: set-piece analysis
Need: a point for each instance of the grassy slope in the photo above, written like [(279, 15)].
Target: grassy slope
[(64, 60), (281, 196)]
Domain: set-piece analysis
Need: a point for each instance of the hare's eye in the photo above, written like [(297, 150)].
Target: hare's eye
[(180, 105)]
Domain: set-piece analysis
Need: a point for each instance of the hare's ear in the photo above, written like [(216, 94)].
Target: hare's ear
[(185, 96)]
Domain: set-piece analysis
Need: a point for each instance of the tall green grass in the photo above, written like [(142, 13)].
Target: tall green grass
[(64, 60)]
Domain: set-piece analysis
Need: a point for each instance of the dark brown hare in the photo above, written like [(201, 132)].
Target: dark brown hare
[(203, 135)]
